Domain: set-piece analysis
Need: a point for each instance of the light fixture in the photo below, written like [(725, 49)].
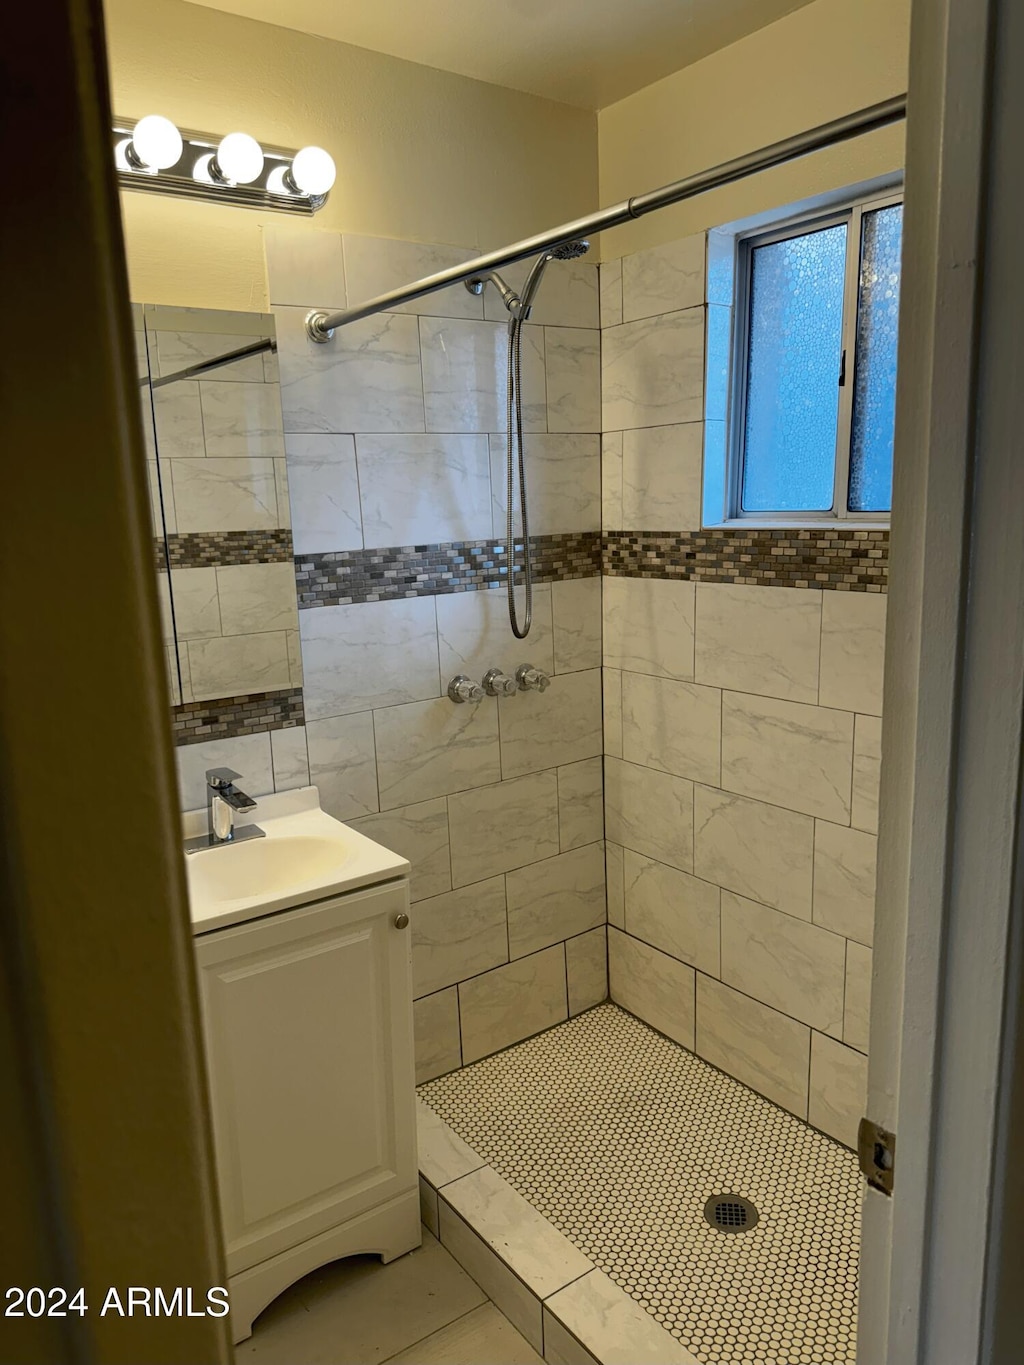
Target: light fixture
[(235, 169), (155, 145), (239, 160)]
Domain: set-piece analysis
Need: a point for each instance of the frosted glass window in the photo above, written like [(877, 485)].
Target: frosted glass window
[(811, 404), (795, 352), (874, 397)]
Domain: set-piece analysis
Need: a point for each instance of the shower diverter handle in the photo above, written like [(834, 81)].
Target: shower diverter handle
[(532, 679)]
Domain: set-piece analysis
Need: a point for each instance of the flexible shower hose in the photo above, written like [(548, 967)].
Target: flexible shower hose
[(514, 451)]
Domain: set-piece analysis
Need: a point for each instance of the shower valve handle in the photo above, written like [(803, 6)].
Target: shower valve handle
[(532, 679), (498, 684), (462, 689)]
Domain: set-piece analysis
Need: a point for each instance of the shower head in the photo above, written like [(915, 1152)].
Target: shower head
[(567, 251), (570, 251)]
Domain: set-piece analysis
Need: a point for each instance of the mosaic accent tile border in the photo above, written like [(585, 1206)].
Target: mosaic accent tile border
[(379, 575), (206, 549), (619, 1137), (229, 717), (837, 558)]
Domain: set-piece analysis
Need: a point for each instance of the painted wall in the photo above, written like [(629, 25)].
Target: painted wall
[(421, 154), (825, 60)]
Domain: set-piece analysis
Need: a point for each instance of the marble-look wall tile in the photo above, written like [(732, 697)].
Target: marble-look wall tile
[(580, 803), (305, 267), (593, 1320), (294, 657), (376, 265), (256, 597), (756, 850), (784, 962), (464, 375), (576, 616), (652, 371), (857, 1011), (177, 420), (844, 880), (661, 478), (673, 911), (852, 651), (238, 664), (224, 495), (512, 1002), (367, 655), (839, 1083), (573, 367), (422, 489), (673, 726), (760, 1047), (495, 829), (323, 493), (650, 812), (655, 987), (178, 349), (543, 729), (760, 640), (196, 602), (161, 499), (420, 833), (611, 293), (615, 876), (458, 935), (241, 419), (563, 473), (436, 1028), (367, 378), (284, 508), (431, 748), (664, 278), (555, 899), (473, 633), (648, 626), (612, 690), (290, 756), (249, 755), (586, 969), (611, 481), (789, 754), (867, 772), (342, 765)]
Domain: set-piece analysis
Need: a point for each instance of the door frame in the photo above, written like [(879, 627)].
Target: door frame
[(935, 1275)]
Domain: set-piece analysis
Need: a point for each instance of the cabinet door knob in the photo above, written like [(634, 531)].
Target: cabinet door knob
[(402, 921)]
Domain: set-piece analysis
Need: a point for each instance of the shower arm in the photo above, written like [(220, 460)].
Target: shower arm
[(320, 325)]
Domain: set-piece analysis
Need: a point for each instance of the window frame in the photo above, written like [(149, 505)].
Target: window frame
[(851, 212)]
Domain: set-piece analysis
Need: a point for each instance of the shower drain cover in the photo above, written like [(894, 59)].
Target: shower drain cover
[(730, 1213)]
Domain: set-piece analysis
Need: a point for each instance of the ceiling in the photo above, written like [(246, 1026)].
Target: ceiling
[(584, 52)]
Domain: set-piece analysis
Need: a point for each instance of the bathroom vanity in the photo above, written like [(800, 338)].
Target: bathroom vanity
[(303, 954)]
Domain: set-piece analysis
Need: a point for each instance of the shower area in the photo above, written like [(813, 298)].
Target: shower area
[(631, 756)]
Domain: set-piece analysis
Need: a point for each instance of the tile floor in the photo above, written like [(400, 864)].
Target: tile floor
[(422, 1309), (619, 1136)]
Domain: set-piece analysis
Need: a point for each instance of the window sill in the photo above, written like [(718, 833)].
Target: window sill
[(797, 524)]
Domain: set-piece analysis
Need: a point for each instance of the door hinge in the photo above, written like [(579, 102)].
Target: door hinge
[(876, 1151)]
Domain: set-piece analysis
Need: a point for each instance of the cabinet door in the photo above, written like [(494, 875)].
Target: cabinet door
[(308, 1023)]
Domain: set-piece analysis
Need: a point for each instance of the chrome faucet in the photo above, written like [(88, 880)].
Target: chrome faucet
[(223, 798)]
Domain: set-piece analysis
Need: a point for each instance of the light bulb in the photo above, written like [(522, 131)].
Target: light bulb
[(239, 158), (278, 183), (313, 170), (156, 142)]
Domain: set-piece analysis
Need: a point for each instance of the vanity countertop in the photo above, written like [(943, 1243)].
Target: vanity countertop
[(306, 856)]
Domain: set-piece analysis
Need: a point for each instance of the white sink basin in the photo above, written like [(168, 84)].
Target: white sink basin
[(306, 856)]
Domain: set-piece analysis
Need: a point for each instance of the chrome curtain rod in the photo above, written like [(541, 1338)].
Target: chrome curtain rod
[(204, 366), (320, 325)]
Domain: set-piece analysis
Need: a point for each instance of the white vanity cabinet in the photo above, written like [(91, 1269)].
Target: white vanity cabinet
[(307, 1017)]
